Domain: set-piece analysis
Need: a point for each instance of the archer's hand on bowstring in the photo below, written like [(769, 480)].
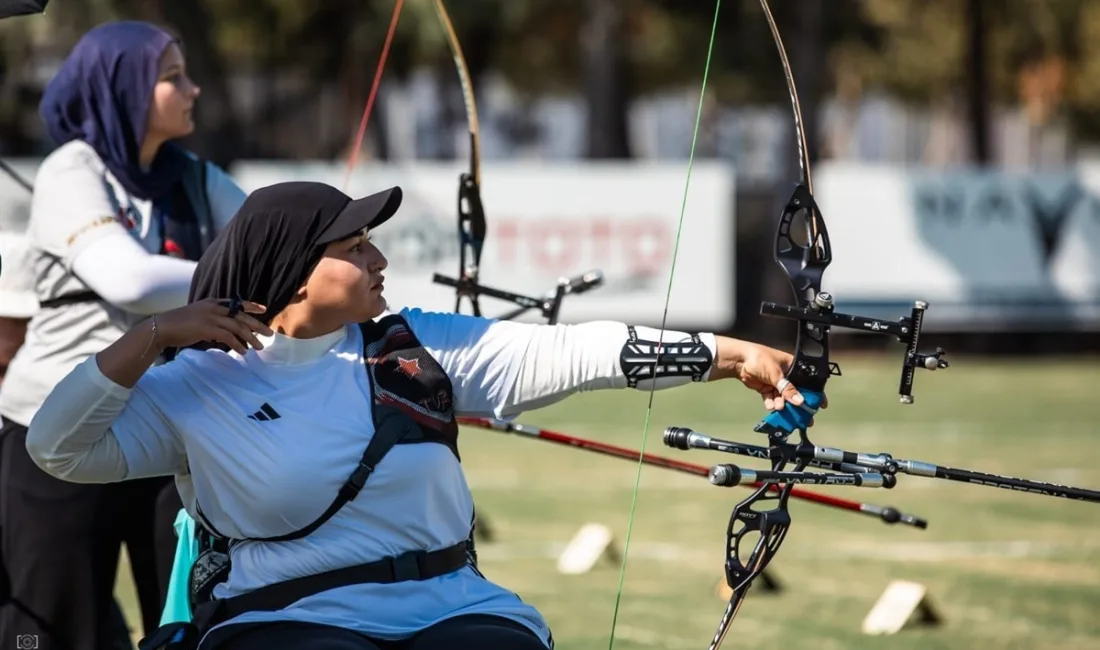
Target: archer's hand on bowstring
[(224, 322), (229, 322), (760, 368)]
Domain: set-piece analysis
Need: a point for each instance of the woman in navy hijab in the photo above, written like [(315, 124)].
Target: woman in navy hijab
[(120, 215)]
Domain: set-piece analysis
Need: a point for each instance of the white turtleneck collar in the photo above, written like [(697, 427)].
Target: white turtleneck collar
[(280, 349)]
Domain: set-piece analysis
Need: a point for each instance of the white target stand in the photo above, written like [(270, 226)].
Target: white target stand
[(903, 604), (591, 543)]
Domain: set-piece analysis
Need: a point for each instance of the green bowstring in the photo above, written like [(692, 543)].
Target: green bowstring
[(664, 320)]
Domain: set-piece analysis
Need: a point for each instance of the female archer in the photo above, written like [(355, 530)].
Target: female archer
[(313, 429), (119, 217)]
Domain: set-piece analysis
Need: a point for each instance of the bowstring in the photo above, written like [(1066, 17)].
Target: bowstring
[(664, 320), (361, 134)]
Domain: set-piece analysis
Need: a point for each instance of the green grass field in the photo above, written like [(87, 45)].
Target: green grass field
[(1006, 570)]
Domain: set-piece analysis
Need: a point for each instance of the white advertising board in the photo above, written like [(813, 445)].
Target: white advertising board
[(987, 250), (546, 221)]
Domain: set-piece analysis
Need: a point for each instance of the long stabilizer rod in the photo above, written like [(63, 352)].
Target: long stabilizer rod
[(886, 514), (884, 464)]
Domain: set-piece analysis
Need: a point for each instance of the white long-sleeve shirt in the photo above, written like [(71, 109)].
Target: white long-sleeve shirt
[(263, 478), (86, 233)]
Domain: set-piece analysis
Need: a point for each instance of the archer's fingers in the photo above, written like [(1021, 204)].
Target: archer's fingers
[(225, 336), (254, 324), (788, 392), (240, 331), (770, 396)]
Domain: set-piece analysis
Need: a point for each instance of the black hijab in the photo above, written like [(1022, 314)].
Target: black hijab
[(276, 238)]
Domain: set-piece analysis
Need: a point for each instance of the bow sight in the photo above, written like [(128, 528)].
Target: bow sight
[(820, 314), (548, 306), (804, 266)]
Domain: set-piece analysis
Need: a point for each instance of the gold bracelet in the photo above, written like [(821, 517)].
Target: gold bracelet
[(153, 339)]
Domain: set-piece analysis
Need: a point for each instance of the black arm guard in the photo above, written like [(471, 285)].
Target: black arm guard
[(642, 359)]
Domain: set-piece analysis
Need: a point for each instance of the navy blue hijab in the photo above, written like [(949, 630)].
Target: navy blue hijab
[(102, 95)]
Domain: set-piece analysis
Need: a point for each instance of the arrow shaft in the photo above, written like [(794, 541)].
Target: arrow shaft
[(659, 461)]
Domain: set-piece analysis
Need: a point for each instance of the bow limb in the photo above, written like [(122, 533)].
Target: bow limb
[(471, 214), (664, 321), (467, 88), (796, 106)]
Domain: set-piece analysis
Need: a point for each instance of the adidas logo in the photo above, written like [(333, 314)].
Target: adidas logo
[(265, 413)]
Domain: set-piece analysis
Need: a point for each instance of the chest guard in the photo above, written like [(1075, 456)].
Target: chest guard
[(407, 383)]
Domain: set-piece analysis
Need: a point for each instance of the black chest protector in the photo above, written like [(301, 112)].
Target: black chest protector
[(412, 402)]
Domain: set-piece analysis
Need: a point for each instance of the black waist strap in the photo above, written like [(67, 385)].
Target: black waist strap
[(418, 565)]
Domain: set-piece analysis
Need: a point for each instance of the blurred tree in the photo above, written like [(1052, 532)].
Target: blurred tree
[(30, 46), (606, 77), (286, 59), (286, 78), (1036, 55), (978, 81)]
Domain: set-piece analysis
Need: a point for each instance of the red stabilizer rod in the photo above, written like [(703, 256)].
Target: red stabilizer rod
[(887, 514)]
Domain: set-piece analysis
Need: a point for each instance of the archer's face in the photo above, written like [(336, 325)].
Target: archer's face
[(170, 115), (348, 280)]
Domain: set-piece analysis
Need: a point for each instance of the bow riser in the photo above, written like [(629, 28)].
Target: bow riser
[(805, 265)]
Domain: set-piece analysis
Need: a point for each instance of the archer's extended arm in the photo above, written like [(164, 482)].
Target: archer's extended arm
[(503, 368)]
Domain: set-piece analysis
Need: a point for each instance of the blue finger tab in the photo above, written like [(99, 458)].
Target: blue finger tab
[(792, 418)]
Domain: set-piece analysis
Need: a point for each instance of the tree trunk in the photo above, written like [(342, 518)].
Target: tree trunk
[(978, 86), (809, 70), (606, 79)]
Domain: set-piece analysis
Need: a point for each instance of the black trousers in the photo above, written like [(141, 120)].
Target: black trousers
[(60, 544), (460, 633)]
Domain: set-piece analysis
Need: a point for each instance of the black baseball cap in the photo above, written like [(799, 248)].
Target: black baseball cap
[(356, 215)]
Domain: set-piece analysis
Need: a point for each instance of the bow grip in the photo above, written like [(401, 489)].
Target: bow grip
[(792, 418)]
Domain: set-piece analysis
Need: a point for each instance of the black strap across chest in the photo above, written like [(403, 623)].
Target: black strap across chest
[(402, 417), (380, 444)]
